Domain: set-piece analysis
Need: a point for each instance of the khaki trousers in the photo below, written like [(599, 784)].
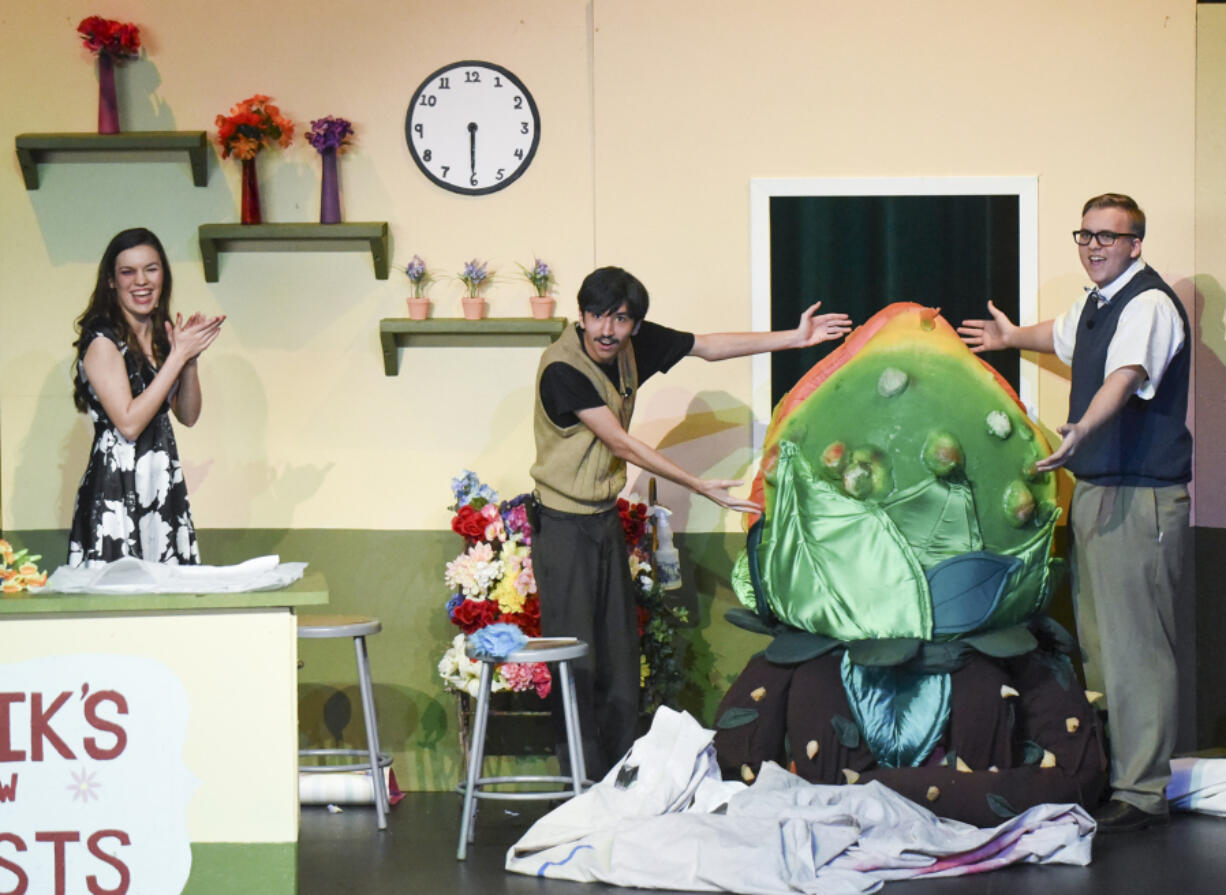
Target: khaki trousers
[(1128, 546)]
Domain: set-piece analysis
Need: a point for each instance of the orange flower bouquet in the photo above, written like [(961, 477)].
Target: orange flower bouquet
[(251, 125)]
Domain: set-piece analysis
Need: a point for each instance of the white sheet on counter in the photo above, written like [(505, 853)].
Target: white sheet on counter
[(130, 575)]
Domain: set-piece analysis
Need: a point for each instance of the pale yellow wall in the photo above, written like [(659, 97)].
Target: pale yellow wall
[(655, 115), (1210, 359)]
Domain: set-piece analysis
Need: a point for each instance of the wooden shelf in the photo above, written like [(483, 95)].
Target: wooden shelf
[(360, 236), (455, 332), (35, 149)]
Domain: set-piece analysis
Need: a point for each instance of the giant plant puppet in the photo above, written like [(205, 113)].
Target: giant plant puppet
[(902, 567)]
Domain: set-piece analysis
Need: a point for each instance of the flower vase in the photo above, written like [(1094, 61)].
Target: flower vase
[(474, 307), (329, 190), (251, 193), (542, 307), (108, 105), (419, 307)]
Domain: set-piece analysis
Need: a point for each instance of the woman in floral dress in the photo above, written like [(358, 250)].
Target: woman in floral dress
[(134, 365)]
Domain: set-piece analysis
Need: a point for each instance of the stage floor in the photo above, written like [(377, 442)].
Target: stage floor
[(345, 853)]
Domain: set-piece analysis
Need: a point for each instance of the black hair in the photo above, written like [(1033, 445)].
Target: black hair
[(103, 307), (607, 288), (1126, 203)]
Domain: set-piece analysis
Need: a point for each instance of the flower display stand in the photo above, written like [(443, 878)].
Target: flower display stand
[(301, 237), (453, 332), (36, 149)]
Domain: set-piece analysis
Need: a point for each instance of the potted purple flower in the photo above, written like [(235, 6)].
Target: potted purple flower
[(329, 135), (420, 277), (540, 275), (475, 276)]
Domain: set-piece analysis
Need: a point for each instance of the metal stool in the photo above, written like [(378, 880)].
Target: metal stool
[(563, 651), (358, 627)]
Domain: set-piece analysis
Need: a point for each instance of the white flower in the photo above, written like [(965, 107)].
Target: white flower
[(114, 522), (152, 477), (123, 455), (183, 538), (153, 537)]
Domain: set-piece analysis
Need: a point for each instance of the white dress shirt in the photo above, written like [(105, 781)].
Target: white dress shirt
[(1149, 332)]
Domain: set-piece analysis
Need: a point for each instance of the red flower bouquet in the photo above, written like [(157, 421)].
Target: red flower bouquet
[(119, 40)]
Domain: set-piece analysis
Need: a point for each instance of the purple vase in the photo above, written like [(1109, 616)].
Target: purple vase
[(108, 107), (329, 190)]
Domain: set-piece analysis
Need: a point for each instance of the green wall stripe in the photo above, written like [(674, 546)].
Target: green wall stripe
[(243, 868)]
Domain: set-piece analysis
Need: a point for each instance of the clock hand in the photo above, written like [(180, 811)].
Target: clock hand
[(472, 146)]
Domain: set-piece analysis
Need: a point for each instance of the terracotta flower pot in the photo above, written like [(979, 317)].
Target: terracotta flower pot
[(542, 307), (419, 308), (474, 308)]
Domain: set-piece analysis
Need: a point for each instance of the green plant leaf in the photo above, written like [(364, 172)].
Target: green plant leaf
[(736, 717), (846, 730)]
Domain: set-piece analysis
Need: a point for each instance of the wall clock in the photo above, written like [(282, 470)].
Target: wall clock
[(472, 127)]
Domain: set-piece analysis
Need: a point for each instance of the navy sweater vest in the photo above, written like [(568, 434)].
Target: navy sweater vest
[(1147, 443)]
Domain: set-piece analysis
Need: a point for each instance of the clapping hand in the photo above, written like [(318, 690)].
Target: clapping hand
[(192, 336)]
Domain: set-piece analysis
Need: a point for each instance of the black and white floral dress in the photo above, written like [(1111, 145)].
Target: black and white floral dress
[(132, 500)]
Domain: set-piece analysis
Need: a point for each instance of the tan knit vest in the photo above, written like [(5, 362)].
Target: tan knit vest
[(574, 471)]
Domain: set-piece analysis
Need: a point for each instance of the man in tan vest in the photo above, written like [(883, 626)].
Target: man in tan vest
[(586, 387)]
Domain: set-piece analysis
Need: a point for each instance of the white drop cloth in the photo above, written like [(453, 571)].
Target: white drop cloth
[(137, 576), (780, 835), (1198, 784)]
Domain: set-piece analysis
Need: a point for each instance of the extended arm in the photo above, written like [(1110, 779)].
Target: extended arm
[(1110, 398), (1000, 332), (813, 329), (609, 430)]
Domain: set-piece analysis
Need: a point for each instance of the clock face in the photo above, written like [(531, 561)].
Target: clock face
[(472, 127)]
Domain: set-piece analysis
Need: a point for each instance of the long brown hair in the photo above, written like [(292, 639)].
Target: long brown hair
[(103, 307)]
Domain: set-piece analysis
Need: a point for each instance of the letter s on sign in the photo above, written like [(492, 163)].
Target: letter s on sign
[(91, 715)]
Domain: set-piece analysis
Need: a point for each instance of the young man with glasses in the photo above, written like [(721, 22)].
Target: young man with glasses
[(1127, 442)]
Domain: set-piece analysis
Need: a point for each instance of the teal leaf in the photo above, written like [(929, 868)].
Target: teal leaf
[(749, 621), (736, 717), (885, 652), (1051, 631), (1061, 668), (966, 590), (846, 730), (1004, 643), (901, 714), (1000, 806), (1032, 752), (793, 647)]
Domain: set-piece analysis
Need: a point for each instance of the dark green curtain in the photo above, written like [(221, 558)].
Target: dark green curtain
[(860, 253)]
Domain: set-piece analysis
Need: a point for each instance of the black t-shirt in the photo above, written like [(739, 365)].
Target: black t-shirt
[(564, 390)]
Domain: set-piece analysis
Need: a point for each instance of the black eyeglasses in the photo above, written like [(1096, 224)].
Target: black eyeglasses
[(1104, 237)]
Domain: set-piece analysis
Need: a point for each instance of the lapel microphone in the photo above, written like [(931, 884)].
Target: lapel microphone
[(1094, 297)]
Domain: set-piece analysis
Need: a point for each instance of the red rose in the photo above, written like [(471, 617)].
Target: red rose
[(473, 615), (633, 518), (469, 523)]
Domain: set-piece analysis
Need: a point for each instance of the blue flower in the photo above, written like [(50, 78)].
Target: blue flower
[(463, 485), (496, 641), (456, 600)]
